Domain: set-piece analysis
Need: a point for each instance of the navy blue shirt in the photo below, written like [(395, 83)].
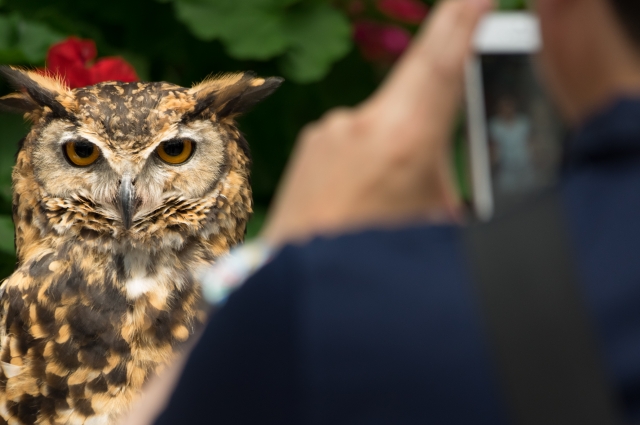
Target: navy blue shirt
[(383, 327)]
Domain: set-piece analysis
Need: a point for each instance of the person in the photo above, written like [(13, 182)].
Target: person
[(366, 315), (510, 132)]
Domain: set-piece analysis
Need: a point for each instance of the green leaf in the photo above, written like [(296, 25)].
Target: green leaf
[(6, 234), (251, 29), (6, 32), (205, 19), (34, 39), (9, 51), (23, 40), (309, 36), (318, 36), (257, 35)]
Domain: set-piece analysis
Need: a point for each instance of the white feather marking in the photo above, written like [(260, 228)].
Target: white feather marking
[(10, 370), (139, 285), (4, 412), (97, 420)]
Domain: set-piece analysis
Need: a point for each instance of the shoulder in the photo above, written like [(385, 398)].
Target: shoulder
[(371, 257), (380, 272), (382, 240), (377, 249)]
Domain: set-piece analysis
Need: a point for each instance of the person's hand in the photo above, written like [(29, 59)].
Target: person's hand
[(387, 161)]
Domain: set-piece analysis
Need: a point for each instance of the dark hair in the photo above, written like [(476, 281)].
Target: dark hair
[(629, 14)]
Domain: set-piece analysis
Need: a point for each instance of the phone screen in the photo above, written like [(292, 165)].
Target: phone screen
[(524, 133)]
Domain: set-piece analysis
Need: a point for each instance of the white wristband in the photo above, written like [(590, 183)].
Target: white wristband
[(233, 269)]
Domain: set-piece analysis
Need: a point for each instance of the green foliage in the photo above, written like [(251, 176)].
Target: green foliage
[(318, 36), (6, 235), (12, 129), (23, 41), (512, 4), (307, 37), (256, 222)]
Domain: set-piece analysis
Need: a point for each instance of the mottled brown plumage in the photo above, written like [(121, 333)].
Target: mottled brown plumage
[(98, 304)]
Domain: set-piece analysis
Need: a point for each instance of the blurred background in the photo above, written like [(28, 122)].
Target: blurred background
[(331, 53)]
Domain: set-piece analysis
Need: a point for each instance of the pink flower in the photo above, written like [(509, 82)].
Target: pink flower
[(410, 11), (380, 42)]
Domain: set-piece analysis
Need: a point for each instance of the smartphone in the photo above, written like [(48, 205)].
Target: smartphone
[(515, 134)]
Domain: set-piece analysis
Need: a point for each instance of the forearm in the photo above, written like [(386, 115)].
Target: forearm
[(158, 390)]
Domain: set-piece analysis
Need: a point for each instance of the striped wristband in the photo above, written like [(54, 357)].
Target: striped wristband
[(233, 269)]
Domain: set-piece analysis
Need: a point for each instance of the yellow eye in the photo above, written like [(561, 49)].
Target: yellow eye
[(175, 151), (82, 153)]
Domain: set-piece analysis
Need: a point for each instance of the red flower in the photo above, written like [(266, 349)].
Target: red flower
[(69, 58), (110, 69), (380, 42), (410, 11), (72, 59)]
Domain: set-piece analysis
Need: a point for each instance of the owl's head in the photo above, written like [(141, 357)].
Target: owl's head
[(137, 163)]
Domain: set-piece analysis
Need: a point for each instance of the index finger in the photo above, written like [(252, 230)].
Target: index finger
[(428, 78)]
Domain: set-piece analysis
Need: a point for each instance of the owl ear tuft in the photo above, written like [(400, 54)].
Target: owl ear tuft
[(36, 91), (18, 103), (230, 95)]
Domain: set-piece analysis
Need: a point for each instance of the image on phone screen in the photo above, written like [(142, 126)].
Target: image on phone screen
[(514, 131), (524, 133), (516, 135)]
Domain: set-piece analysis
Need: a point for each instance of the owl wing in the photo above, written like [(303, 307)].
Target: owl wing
[(62, 356), (3, 309), (34, 381), (7, 369), (18, 392)]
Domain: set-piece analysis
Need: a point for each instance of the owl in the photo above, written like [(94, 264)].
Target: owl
[(122, 191)]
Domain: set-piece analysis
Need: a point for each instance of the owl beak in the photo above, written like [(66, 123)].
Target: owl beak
[(126, 197)]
